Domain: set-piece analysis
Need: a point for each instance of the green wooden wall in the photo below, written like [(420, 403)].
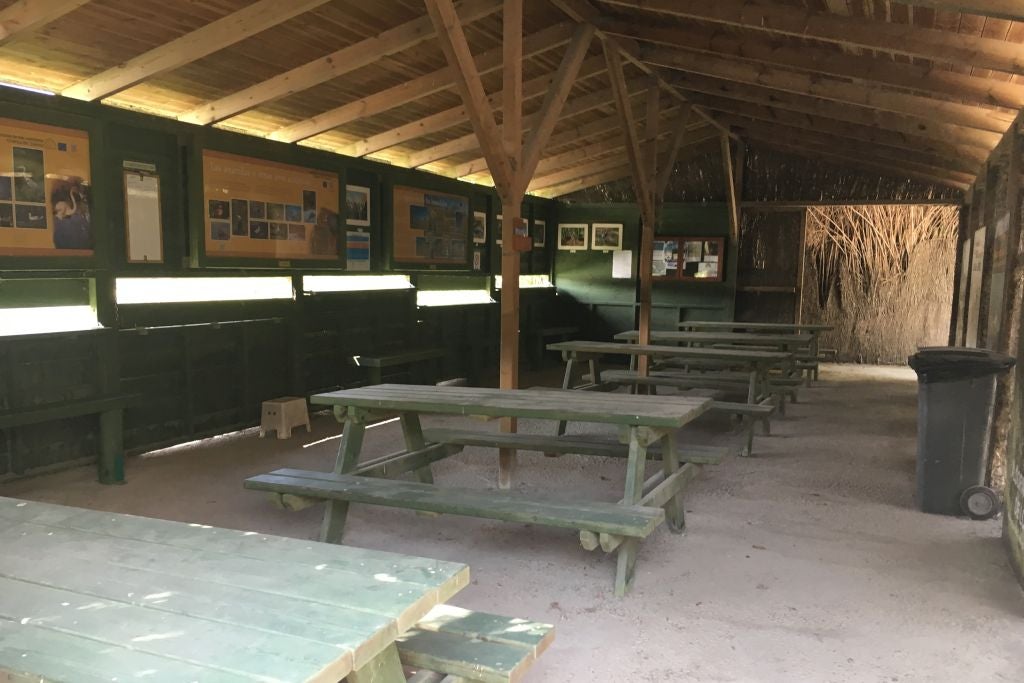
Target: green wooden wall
[(606, 305), (202, 369)]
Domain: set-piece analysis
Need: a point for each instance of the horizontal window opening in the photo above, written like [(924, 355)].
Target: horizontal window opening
[(26, 88), (528, 281), (453, 297), (177, 290), (354, 283), (42, 319)]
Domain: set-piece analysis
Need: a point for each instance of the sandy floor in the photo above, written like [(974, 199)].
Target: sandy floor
[(807, 562)]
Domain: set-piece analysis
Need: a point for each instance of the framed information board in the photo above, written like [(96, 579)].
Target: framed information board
[(691, 259), (262, 209), (45, 191), (430, 228)]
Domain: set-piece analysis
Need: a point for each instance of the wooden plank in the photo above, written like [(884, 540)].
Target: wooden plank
[(38, 414), (412, 356), (576, 444), (730, 195), (724, 337), (533, 635), (30, 654), (1011, 10), (523, 403), (224, 32), (25, 16), (735, 326), (631, 349), (489, 504), (336, 64), (473, 660), (944, 47)]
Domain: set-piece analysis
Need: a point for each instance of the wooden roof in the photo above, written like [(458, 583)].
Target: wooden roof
[(923, 89)]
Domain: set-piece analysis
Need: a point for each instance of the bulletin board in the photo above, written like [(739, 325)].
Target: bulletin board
[(430, 228), (45, 191), (262, 209), (690, 259)]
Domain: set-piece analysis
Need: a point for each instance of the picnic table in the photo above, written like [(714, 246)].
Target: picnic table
[(814, 329), (752, 367), (89, 596), (647, 426), (782, 342)]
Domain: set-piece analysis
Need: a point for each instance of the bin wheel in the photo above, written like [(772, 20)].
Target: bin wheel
[(979, 502)]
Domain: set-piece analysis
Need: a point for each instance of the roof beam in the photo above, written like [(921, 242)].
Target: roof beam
[(921, 127), (338, 63), (681, 136), (24, 16), (217, 35), (456, 50), (427, 84), (945, 47), (827, 60), (831, 89), (997, 9)]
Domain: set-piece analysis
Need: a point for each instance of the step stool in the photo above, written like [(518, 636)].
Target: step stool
[(282, 414)]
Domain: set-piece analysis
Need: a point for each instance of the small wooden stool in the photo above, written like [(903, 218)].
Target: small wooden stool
[(282, 414)]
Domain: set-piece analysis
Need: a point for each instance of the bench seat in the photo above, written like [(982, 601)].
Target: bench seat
[(633, 521), (475, 646), (391, 360), (576, 444)]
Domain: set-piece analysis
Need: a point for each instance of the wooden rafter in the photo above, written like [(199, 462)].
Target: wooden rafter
[(456, 116), (24, 16), (944, 47), (436, 81), (826, 60), (338, 63), (217, 35), (824, 87), (681, 136), (731, 200), (923, 127)]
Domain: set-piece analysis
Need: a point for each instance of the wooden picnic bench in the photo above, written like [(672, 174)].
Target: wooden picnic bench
[(376, 365), (91, 597), (110, 409), (782, 342), (643, 422), (816, 353)]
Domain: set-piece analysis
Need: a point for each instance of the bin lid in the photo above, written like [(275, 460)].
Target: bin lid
[(952, 363)]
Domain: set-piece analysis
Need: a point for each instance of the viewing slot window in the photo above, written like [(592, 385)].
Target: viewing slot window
[(540, 281), (37, 306), (354, 283), (174, 290)]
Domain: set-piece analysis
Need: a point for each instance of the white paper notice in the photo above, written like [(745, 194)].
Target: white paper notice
[(622, 264)]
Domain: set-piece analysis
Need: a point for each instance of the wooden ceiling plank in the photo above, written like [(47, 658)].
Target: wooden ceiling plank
[(554, 102), (944, 47), (997, 9), (456, 49), (808, 57), (25, 16), (832, 89), (217, 35), (409, 91), (338, 63), (699, 86)]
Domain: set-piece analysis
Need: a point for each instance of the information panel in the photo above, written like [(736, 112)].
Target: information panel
[(263, 209), (45, 191), (430, 227)]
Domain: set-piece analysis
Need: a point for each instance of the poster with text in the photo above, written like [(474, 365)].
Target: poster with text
[(430, 228), (45, 191), (357, 251), (262, 209)]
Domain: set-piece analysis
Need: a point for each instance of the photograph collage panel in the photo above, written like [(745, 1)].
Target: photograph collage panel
[(253, 219), (24, 202)]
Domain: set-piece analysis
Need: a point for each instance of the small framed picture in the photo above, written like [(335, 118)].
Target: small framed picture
[(540, 234), (357, 205), (572, 236), (479, 227), (607, 237), (498, 220)]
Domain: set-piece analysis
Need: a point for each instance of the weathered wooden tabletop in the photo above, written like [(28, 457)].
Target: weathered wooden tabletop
[(621, 409), (755, 338), (697, 352), (91, 596), (714, 325)]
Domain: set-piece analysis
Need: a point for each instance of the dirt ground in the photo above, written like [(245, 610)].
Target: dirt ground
[(806, 562)]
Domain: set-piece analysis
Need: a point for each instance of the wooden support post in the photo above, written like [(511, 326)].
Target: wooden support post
[(1013, 304), (730, 191), (989, 221)]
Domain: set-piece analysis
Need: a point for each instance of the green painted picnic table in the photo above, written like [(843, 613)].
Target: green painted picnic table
[(94, 597), (783, 342), (643, 421), (735, 326)]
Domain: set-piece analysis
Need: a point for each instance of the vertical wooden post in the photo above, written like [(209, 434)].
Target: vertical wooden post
[(511, 206), (1013, 303), (988, 220)]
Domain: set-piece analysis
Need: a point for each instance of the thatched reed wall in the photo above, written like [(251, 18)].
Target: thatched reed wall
[(882, 275)]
